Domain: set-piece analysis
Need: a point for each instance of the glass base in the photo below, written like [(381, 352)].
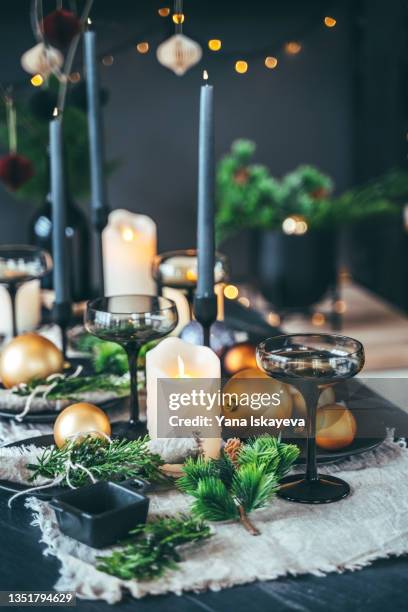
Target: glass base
[(324, 490), (129, 430)]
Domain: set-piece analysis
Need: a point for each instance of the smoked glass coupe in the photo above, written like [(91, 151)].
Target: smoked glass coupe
[(131, 321), (311, 362)]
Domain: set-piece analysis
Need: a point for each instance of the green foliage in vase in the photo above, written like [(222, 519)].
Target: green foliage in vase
[(117, 460), (33, 116), (110, 357), (249, 197), (379, 197), (229, 489), (152, 549)]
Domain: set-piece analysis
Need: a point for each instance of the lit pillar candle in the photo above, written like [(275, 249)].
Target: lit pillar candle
[(206, 194), (129, 246), (174, 358), (28, 308)]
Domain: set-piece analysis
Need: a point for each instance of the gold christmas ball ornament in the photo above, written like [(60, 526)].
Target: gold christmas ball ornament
[(335, 427), (81, 418), (240, 357), (256, 382), (28, 357)]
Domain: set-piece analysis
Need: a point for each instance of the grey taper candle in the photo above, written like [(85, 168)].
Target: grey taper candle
[(59, 247), (95, 128), (206, 195)]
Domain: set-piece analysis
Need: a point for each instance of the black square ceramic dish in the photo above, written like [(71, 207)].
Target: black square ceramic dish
[(103, 513)]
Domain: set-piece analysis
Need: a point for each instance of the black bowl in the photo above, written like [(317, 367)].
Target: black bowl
[(103, 513)]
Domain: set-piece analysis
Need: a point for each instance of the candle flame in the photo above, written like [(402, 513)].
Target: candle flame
[(181, 368), (205, 75), (127, 234), (89, 21), (55, 112)]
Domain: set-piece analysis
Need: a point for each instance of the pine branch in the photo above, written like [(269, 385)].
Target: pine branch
[(73, 388), (252, 487), (213, 501), (152, 548), (118, 460), (224, 489), (195, 470)]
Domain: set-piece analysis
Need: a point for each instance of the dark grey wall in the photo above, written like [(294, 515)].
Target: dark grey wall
[(302, 112)]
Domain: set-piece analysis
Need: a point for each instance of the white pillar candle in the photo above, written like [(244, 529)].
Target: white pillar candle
[(28, 308), (129, 246), (183, 308), (197, 362)]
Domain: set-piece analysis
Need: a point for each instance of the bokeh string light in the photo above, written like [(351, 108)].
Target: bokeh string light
[(270, 56)]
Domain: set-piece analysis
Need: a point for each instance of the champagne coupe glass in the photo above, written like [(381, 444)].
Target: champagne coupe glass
[(311, 362), (18, 265), (131, 321), (178, 269)]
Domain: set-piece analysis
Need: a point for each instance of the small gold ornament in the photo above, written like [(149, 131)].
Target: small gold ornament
[(81, 418), (252, 386), (240, 357), (336, 427), (28, 357)]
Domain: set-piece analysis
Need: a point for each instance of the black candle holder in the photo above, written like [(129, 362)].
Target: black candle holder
[(99, 222), (205, 311), (61, 315)]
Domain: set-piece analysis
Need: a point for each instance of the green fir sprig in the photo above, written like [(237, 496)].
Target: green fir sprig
[(73, 388), (230, 489), (116, 460), (153, 548)]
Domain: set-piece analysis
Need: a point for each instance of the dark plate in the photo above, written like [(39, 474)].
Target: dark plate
[(49, 416), (357, 447)]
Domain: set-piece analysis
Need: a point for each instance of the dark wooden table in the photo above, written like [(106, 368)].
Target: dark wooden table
[(383, 585)]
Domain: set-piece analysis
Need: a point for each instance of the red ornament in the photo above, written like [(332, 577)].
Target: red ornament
[(60, 27), (15, 170)]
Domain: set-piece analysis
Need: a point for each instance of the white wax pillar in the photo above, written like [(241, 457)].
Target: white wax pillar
[(183, 308), (164, 362), (129, 245), (28, 308)]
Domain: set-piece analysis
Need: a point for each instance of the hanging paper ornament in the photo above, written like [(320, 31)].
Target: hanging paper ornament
[(60, 27), (42, 60), (179, 53), (15, 170)]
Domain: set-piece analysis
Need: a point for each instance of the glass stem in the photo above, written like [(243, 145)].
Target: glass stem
[(132, 351), (311, 395), (12, 289)]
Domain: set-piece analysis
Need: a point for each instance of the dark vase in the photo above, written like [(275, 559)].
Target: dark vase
[(295, 272), (78, 235)]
